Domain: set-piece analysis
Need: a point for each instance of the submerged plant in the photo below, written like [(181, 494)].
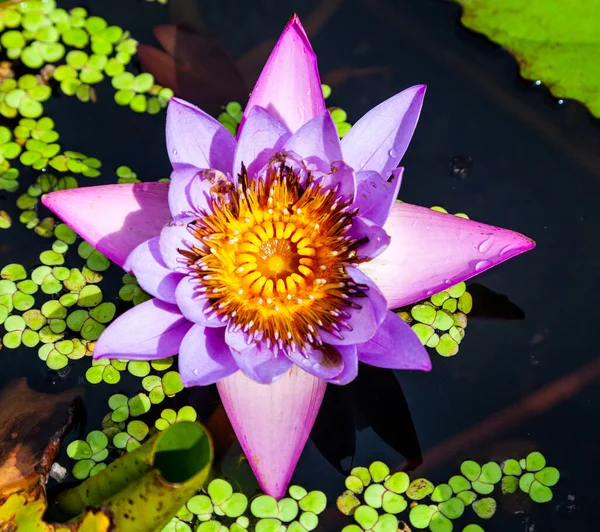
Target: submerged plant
[(279, 253)]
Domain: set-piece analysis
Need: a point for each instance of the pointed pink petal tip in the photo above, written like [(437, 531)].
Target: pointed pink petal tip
[(273, 422), (431, 251), (289, 86), (114, 219)]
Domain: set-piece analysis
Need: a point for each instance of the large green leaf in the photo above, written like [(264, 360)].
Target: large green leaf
[(555, 41), (146, 487)]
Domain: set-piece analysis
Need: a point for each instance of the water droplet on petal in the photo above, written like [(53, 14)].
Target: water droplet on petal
[(508, 249), (482, 265), (429, 293), (195, 372), (393, 153), (174, 152), (486, 245)]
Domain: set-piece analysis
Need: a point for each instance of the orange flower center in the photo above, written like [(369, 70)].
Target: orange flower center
[(270, 257)]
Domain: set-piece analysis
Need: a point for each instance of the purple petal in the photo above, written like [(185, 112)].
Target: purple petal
[(376, 297), (350, 359), (289, 86), (272, 423), (379, 139), (375, 195), (197, 139), (263, 135), (342, 176), (153, 275), (114, 219), (323, 361), (395, 346), (317, 142), (204, 357), (193, 305), (431, 251), (377, 239), (361, 322), (189, 191), (153, 329), (257, 361), (173, 237)]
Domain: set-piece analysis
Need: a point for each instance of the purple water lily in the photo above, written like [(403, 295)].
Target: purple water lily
[(279, 253)]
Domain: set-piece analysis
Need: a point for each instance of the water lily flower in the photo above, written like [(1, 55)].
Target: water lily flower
[(273, 258)]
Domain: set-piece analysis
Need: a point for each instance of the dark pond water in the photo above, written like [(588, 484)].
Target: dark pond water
[(521, 381)]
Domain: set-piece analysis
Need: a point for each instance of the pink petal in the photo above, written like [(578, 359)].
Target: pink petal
[(189, 191), (376, 297), (193, 305), (350, 359), (257, 361), (395, 346), (430, 251), (379, 139), (377, 238), (273, 422), (174, 237), (375, 195), (324, 362), (204, 357), (263, 135), (317, 142), (115, 219), (196, 138), (289, 86), (150, 330), (153, 275)]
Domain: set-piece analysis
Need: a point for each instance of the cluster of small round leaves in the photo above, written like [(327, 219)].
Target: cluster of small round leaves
[(89, 454), (340, 117), (374, 497), (538, 479), (140, 92), (130, 439), (231, 117), (122, 407), (159, 387), (108, 371), (23, 96), (8, 179), (168, 416), (131, 290)]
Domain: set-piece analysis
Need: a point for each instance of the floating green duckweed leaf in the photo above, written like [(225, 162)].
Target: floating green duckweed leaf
[(366, 517), (470, 469), (264, 506), (297, 492), (509, 484), (313, 501), (263, 525), (473, 528), (452, 508), (354, 484), (441, 493), (102, 370), (467, 497), (420, 515), (535, 461), (347, 502), (90, 296), (171, 382), (363, 474), (136, 432), (398, 482), (201, 506), (459, 483), (419, 488), (378, 471), (13, 272), (374, 495), (485, 508), (393, 503)]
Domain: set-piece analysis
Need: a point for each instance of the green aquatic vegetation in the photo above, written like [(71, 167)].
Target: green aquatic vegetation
[(8, 181), (231, 116), (77, 163), (57, 355), (23, 96), (95, 260), (130, 439), (373, 493), (159, 387), (132, 90), (103, 370), (168, 416), (89, 454), (340, 119), (126, 175), (123, 407)]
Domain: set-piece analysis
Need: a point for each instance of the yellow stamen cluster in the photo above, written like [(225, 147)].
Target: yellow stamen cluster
[(270, 257)]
